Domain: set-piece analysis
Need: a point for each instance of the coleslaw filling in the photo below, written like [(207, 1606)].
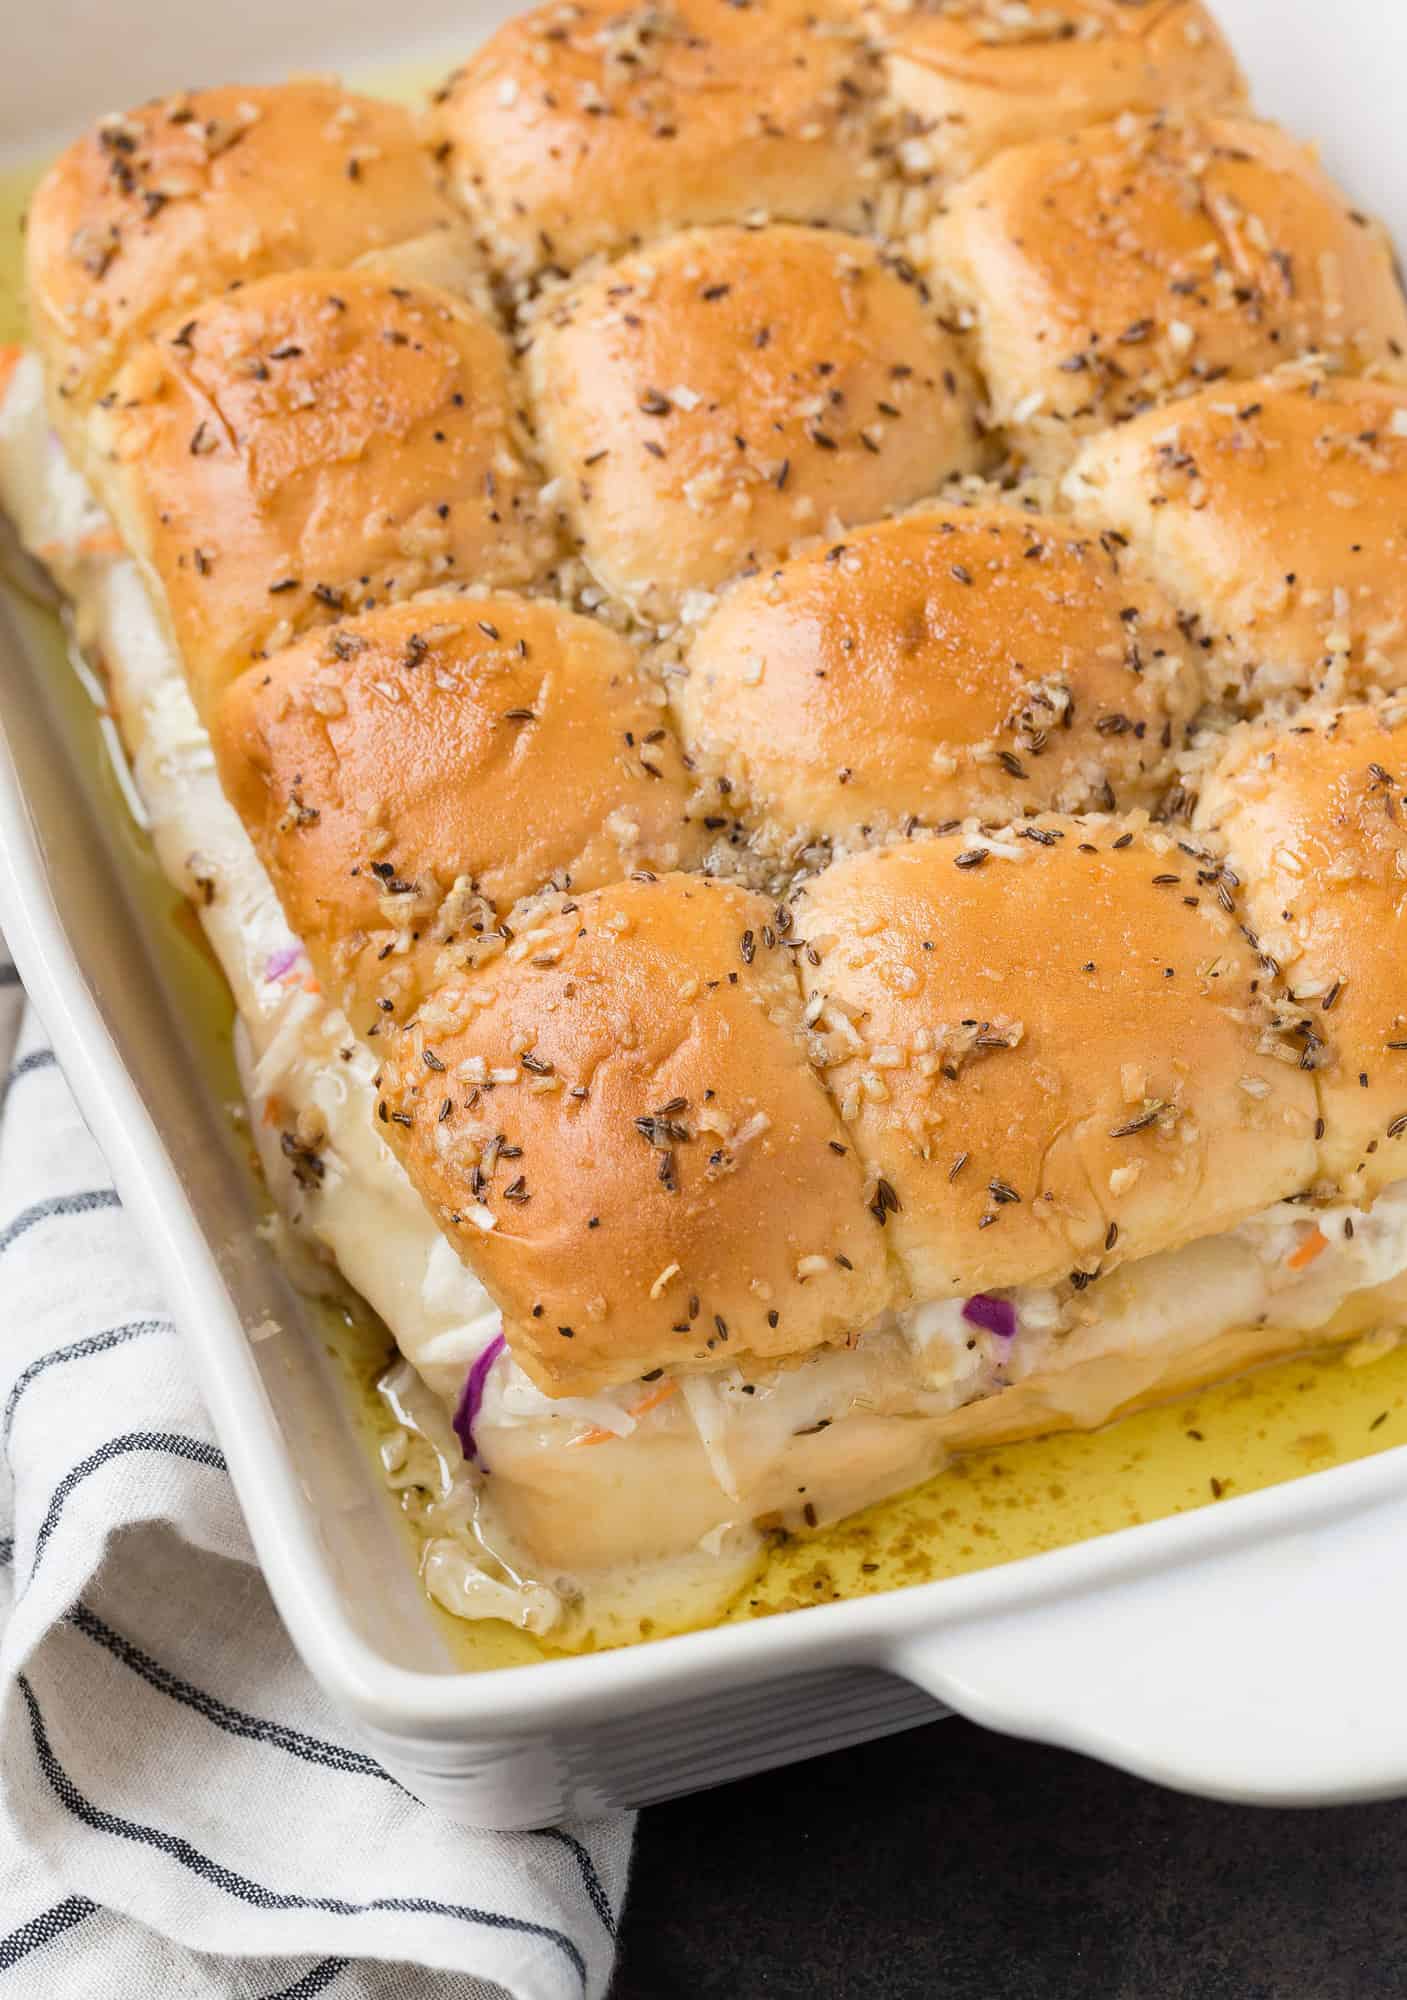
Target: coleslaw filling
[(547, 1531)]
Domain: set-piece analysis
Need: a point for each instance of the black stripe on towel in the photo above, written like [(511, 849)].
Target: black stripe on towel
[(316, 1981), (171, 1443), (86, 1203), (254, 1728), (95, 1343), (590, 1880), (26, 1066), (312, 1749), (43, 1929), (256, 1893)]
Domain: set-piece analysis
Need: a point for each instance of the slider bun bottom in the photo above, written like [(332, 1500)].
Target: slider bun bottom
[(653, 1497)]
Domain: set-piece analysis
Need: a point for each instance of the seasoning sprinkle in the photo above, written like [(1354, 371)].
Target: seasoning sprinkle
[(1140, 1123)]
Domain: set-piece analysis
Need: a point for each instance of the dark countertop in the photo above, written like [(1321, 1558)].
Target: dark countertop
[(951, 1864)]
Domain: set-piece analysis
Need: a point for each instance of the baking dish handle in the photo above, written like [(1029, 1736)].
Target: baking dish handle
[(1268, 1671)]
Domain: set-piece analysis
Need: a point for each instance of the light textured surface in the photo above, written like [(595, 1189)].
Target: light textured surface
[(180, 1809)]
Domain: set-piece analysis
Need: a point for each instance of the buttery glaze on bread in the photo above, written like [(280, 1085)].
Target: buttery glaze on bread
[(1056, 1046), (1274, 512), (157, 210), (1136, 261), (705, 403), (981, 75), (674, 1125), (314, 445), (589, 128), (410, 776), (637, 1156), (1314, 817), (1050, 1052), (980, 661)]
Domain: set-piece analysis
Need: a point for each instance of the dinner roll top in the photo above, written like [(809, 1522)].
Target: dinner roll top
[(1135, 261), (409, 776), (1273, 511), (312, 446), (971, 661), (616, 1127), (449, 260), (982, 75), (1314, 820), (153, 212), (705, 404), (1053, 1048), (585, 128)]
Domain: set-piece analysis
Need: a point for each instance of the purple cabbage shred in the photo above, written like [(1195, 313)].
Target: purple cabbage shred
[(472, 1396), (282, 961), (996, 1316)]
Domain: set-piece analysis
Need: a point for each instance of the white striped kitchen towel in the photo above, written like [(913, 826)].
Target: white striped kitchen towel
[(180, 1810)]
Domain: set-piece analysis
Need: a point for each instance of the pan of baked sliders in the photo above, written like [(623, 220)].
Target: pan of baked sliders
[(703, 779)]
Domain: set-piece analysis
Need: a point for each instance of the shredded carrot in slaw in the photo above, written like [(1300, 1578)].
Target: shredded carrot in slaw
[(594, 1436), (106, 542), (1314, 1245), (10, 353), (652, 1399)]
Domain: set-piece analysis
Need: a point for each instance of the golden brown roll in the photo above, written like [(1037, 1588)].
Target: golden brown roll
[(956, 662), (311, 446), (584, 129), (407, 777), (1275, 513), (636, 1157), (1315, 822), (1133, 262), (151, 213), (449, 259), (705, 404), (981, 75), (1051, 1049)]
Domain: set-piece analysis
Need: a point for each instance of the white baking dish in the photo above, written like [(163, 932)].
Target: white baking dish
[(1252, 1651)]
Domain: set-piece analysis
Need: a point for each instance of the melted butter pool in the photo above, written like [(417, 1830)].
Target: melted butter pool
[(1022, 1500)]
